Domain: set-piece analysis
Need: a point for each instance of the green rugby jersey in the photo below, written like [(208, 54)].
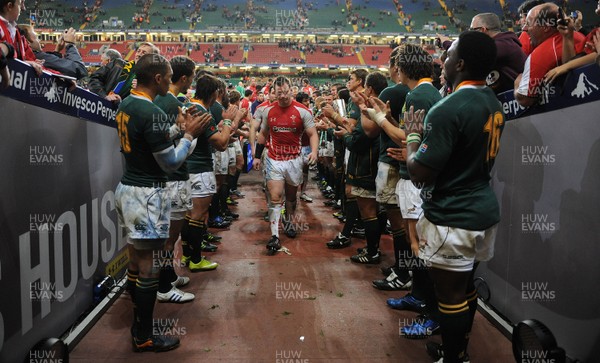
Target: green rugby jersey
[(216, 110), (397, 96), (143, 129), (352, 111), (460, 142), (170, 104), (362, 163), (200, 161), (422, 97)]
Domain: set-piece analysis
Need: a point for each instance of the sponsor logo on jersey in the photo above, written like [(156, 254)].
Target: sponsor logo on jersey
[(423, 148), (284, 129)]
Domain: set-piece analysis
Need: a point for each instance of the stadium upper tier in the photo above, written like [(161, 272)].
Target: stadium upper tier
[(321, 55), (337, 15)]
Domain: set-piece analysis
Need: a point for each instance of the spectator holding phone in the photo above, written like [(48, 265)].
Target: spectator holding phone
[(547, 48), (70, 64), (569, 56)]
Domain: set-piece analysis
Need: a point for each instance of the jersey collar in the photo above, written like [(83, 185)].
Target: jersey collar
[(470, 84), (141, 95)]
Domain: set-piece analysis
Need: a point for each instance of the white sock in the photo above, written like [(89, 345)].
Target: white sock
[(274, 215)]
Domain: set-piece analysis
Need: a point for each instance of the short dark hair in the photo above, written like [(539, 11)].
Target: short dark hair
[(148, 66), (344, 94), (182, 66), (206, 86), (377, 81), (528, 5), (301, 96), (202, 72), (281, 80), (414, 61), (3, 3), (360, 74), (393, 56), (248, 93), (478, 51), (234, 96)]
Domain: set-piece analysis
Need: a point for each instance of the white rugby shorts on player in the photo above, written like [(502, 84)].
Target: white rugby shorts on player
[(221, 162), (363, 193), (180, 193), (288, 170), (203, 185), (454, 249), (409, 199), (238, 148), (143, 211), (386, 183)]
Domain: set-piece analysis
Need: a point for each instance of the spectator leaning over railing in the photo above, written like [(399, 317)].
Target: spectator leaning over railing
[(109, 55), (546, 43), (6, 52), (115, 80), (70, 65), (9, 14), (523, 10), (510, 57), (571, 59)]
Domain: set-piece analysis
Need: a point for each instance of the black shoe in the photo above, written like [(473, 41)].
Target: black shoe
[(388, 228), (289, 228), (358, 233), (273, 246), (330, 203), (237, 193), (340, 241), (436, 352), (228, 219), (156, 343), (386, 271), (218, 222), (365, 258), (228, 213), (392, 283), (212, 238), (208, 247)]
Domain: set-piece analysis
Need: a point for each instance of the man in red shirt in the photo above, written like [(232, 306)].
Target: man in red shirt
[(546, 45), (307, 88), (252, 88), (10, 10), (283, 124)]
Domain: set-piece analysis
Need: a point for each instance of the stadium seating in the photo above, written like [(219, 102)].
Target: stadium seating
[(271, 53)]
